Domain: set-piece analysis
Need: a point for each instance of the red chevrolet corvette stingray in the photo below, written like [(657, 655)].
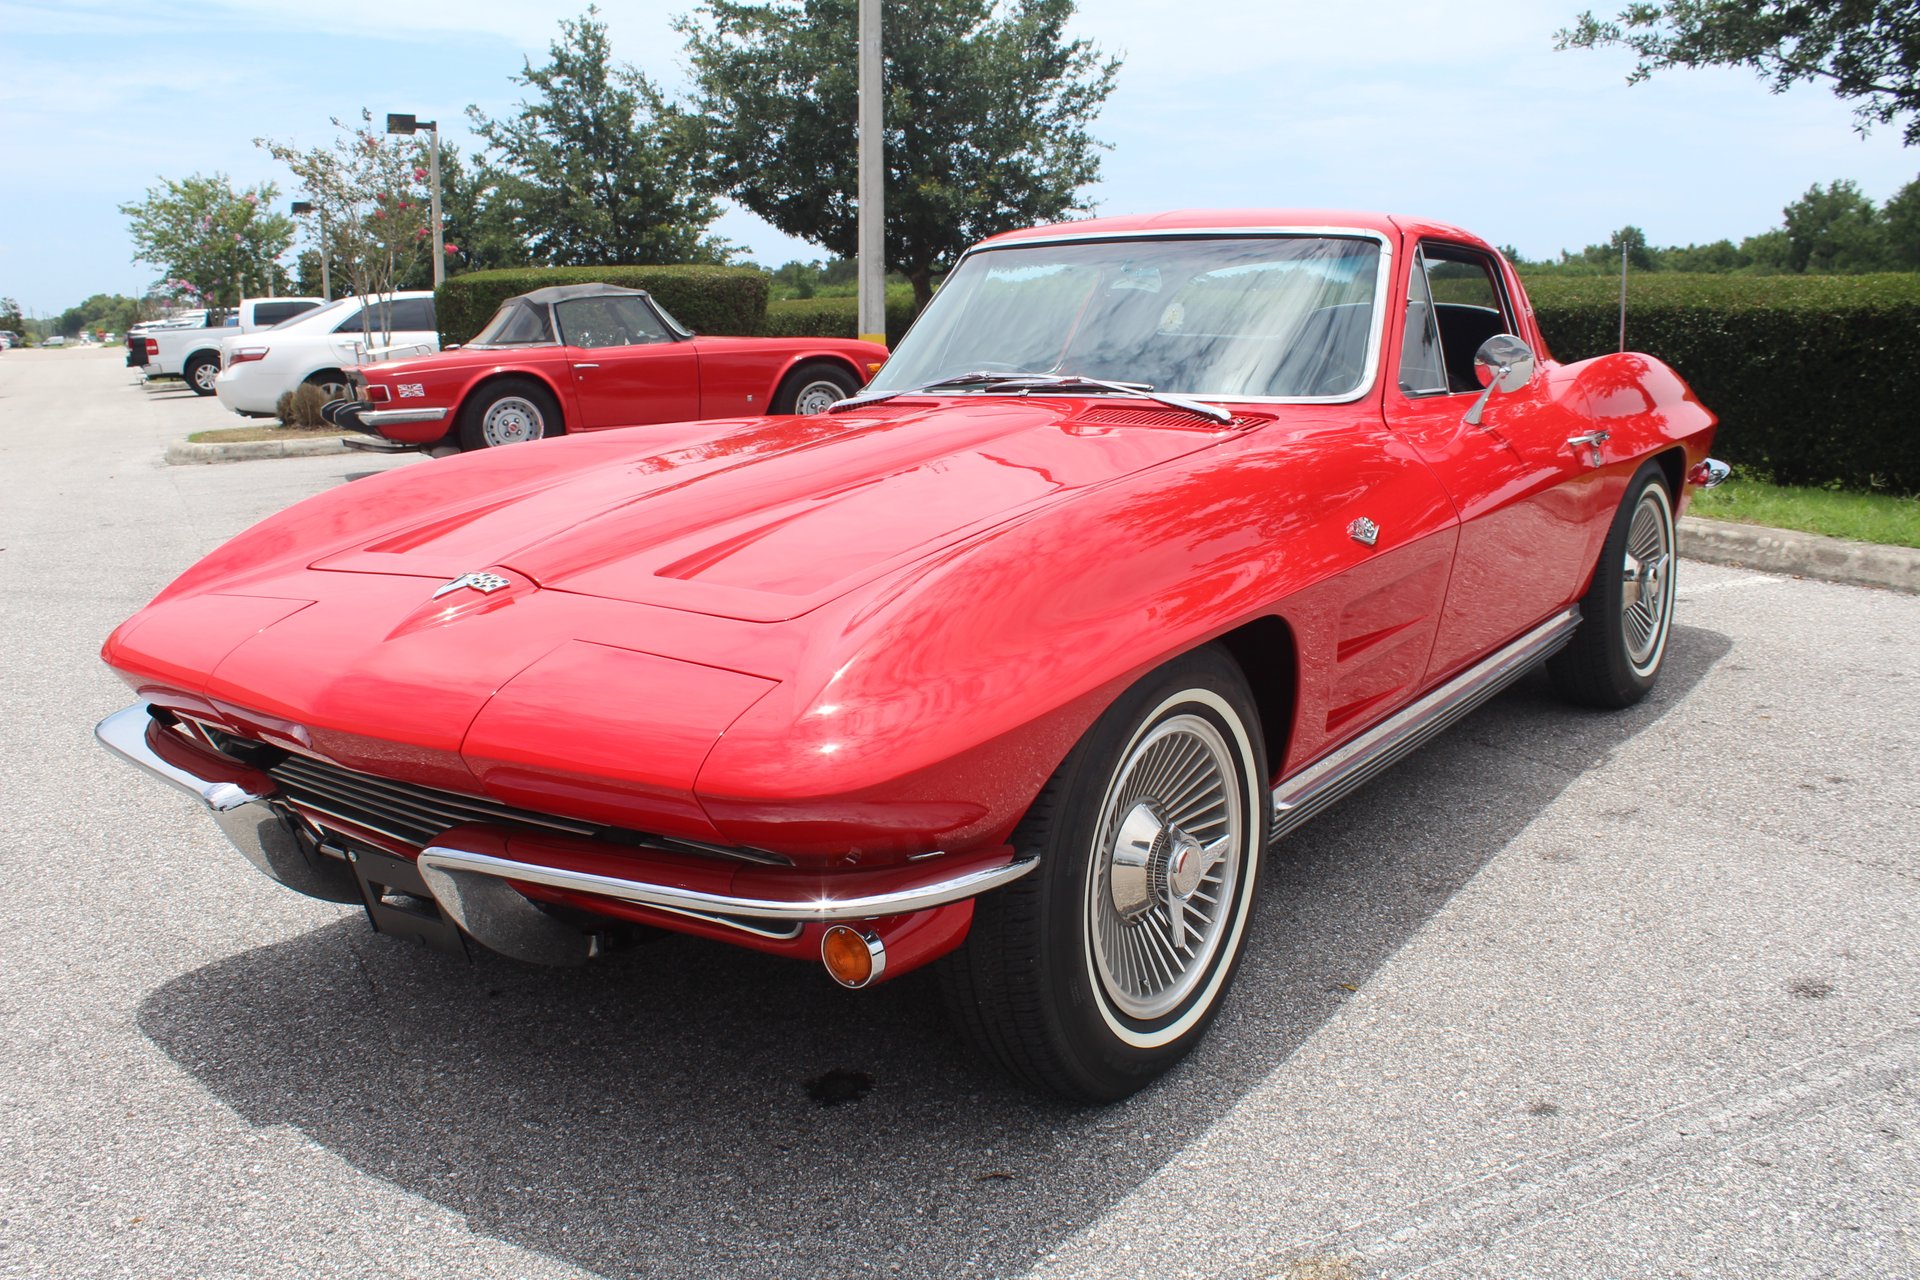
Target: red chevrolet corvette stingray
[(1155, 536), (587, 357)]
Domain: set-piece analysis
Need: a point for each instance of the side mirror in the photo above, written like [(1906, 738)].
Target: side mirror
[(1507, 363)]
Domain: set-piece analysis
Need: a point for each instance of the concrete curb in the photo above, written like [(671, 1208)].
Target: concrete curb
[(1804, 555), (187, 453)]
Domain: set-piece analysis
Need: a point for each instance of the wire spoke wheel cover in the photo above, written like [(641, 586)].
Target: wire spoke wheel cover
[(512, 420), (1161, 880), (1646, 586)]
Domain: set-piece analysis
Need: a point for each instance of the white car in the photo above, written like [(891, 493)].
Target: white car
[(319, 347), (194, 352)]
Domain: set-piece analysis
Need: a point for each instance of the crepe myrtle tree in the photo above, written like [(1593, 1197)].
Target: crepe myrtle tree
[(368, 191), (1866, 51), (987, 109), (214, 243)]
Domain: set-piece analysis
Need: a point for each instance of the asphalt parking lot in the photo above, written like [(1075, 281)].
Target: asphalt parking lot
[(1567, 995)]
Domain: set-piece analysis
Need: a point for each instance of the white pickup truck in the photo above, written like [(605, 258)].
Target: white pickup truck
[(194, 354)]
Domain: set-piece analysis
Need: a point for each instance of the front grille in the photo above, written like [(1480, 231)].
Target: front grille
[(1126, 415), (413, 815)]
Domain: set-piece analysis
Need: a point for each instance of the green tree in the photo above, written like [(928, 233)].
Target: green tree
[(10, 318), (987, 109), (1720, 256), (216, 245), (1901, 214), (370, 205), (1834, 229), (1866, 51), (100, 312), (1766, 254), (597, 169)]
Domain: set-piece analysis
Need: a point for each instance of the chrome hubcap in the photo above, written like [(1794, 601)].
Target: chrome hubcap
[(816, 396), (511, 420), (204, 374), (1646, 591), (1163, 876)]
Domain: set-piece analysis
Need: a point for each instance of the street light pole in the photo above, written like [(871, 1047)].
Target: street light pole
[(408, 125), (872, 236)]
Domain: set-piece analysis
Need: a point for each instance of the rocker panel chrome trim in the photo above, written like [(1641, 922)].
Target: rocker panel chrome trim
[(1328, 779)]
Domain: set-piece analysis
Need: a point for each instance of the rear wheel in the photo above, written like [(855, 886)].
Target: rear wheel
[(1614, 658), (511, 411), (1101, 969), (333, 385), (812, 387), (201, 371)]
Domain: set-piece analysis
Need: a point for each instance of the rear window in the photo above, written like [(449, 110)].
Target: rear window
[(272, 313)]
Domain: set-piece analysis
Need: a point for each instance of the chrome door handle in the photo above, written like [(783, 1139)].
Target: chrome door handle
[(586, 366), (1592, 440)]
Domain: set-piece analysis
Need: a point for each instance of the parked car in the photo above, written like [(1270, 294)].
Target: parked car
[(8, 338), (320, 347), (587, 357), (195, 353), (1154, 537)]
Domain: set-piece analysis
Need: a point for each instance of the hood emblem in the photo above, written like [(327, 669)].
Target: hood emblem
[(1364, 531), (486, 583)]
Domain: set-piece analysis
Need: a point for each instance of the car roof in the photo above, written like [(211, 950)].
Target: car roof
[(563, 292), (1392, 226)]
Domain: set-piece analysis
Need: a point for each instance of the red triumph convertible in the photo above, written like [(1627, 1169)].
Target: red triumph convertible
[(1154, 537), (587, 357)]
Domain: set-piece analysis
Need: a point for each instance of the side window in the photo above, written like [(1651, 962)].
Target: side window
[(612, 321), (1422, 371), (271, 313), (1469, 306), (413, 314), (352, 323)]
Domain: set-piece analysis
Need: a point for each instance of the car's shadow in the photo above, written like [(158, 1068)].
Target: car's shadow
[(651, 1114)]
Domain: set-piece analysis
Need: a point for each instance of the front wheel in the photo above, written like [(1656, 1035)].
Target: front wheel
[(812, 387), (1104, 967), (1614, 657), (511, 411)]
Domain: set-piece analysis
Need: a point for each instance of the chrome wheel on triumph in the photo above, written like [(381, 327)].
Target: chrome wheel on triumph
[(1646, 587), (1163, 871), (511, 420)]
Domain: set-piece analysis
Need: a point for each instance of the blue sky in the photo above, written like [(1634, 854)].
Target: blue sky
[(1454, 111)]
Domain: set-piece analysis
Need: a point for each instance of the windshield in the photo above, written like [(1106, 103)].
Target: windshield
[(1230, 317), (516, 324)]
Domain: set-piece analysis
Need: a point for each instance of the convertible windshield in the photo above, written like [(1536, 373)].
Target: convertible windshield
[(1223, 317)]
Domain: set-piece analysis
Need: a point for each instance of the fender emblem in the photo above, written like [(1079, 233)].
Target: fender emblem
[(1364, 531), (486, 583)]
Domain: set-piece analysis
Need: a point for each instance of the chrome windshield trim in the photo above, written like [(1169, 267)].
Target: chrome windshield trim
[(1335, 775), (1382, 286), (438, 858)]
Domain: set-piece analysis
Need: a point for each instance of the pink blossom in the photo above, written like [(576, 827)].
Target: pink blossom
[(236, 237), (405, 205), (252, 199), (421, 234), (419, 175), (453, 248), (379, 213)]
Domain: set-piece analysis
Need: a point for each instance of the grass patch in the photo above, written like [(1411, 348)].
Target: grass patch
[(1861, 517), (246, 435)]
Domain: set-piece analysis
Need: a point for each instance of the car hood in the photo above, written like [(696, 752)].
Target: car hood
[(768, 518)]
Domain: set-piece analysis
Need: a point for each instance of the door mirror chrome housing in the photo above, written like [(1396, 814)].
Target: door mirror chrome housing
[(1508, 363)]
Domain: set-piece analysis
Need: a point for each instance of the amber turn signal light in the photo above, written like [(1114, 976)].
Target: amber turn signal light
[(853, 959), (873, 367)]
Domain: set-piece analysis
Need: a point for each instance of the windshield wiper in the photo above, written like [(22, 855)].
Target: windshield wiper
[(988, 380), (979, 377)]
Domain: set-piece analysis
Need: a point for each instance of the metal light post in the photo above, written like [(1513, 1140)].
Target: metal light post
[(408, 125), (300, 209), (872, 235)]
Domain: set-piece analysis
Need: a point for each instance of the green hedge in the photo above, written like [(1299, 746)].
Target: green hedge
[(836, 317), (729, 300), (1815, 378)]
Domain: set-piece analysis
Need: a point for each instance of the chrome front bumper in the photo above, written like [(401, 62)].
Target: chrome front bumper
[(471, 880), (377, 418)]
